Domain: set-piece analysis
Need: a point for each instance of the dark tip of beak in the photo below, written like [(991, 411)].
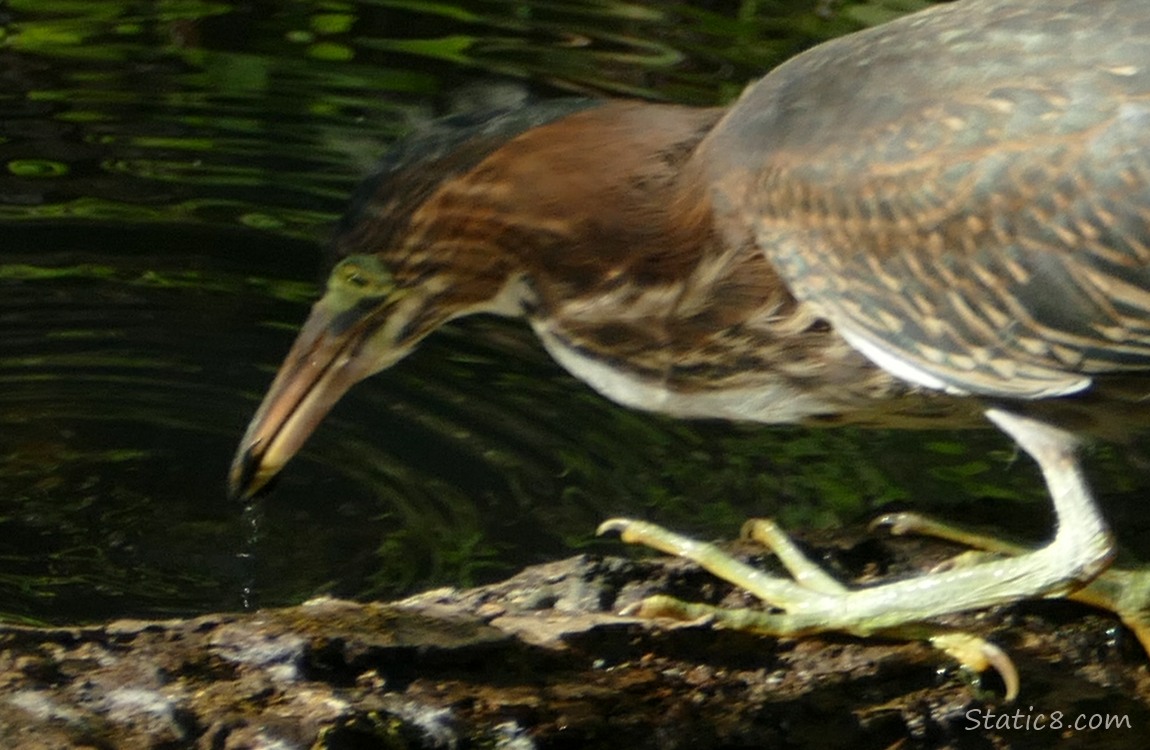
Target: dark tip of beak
[(243, 479)]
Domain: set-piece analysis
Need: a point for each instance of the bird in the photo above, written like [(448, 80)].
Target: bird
[(942, 219)]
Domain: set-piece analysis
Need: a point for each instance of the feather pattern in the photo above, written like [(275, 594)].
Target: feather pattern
[(969, 205)]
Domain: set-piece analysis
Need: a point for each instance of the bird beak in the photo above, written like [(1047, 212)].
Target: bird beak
[(330, 355)]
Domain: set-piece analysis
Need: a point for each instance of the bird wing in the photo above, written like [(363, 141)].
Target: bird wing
[(963, 194)]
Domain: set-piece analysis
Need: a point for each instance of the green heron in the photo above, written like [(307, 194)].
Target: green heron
[(944, 216)]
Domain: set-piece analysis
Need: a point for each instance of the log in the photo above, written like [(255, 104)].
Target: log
[(541, 660)]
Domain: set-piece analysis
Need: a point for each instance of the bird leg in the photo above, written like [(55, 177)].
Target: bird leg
[(1126, 593), (812, 601), (972, 652)]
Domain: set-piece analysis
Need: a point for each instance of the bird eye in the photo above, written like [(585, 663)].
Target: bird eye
[(361, 275), (353, 277)]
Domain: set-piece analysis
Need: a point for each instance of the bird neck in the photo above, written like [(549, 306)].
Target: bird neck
[(601, 229), (568, 211)]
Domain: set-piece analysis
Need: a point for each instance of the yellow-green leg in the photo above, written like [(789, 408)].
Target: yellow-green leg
[(812, 601), (1124, 592), (974, 653)]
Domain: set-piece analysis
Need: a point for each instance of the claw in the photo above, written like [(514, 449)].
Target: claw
[(978, 655), (612, 524), (897, 524)]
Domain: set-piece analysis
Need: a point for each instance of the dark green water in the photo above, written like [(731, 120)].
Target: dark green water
[(168, 172)]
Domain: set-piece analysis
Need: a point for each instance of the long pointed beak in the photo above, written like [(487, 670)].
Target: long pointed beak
[(326, 359)]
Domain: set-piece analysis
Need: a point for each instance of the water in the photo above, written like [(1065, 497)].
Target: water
[(170, 171)]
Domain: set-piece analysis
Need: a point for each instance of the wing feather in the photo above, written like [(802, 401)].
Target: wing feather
[(965, 194)]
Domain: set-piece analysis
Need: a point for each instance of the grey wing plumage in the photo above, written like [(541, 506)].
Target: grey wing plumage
[(965, 196)]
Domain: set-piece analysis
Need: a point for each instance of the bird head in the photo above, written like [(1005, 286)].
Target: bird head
[(515, 216), (363, 323), (398, 273)]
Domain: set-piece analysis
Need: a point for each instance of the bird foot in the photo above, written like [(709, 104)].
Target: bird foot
[(809, 588), (1123, 592), (812, 601)]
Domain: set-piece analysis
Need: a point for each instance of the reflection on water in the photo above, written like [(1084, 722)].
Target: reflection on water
[(169, 172), (218, 112)]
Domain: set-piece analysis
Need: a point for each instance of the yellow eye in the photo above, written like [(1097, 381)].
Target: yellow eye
[(361, 275), (352, 276)]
